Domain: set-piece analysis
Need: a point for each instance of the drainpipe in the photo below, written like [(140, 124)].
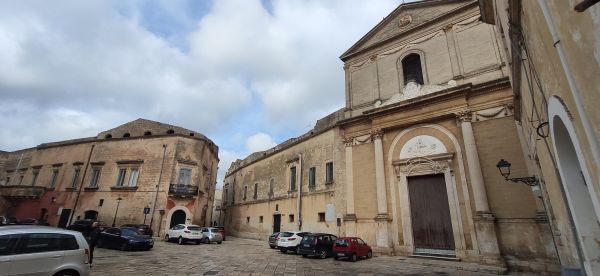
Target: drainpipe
[(299, 201), (162, 163), (587, 126), (87, 164)]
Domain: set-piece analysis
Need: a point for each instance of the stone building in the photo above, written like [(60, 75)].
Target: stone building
[(216, 210), (553, 48), (409, 164), (113, 177)]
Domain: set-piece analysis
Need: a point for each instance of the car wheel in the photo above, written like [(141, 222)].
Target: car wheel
[(180, 240), (336, 258), (304, 255), (219, 242), (369, 255), (272, 246), (323, 254), (167, 238), (297, 250), (66, 273), (123, 247), (353, 257), (206, 240), (283, 250), (100, 244)]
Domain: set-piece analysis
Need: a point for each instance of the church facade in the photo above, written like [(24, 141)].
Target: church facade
[(409, 164)]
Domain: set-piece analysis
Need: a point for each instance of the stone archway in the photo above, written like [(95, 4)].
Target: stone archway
[(575, 178), (178, 217)]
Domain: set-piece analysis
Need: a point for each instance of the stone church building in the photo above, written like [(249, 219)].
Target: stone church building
[(409, 164), (168, 170)]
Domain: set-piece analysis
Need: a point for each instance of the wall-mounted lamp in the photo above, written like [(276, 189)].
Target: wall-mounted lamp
[(504, 168)]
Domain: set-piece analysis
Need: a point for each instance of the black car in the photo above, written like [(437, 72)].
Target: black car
[(7, 220), (126, 238), (142, 228), (317, 244)]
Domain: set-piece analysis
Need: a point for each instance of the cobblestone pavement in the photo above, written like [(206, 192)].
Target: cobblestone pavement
[(249, 257)]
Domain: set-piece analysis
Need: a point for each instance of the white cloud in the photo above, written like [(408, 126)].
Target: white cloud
[(259, 142)]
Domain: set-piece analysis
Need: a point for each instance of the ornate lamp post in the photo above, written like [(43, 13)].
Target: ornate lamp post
[(117, 210), (504, 168)]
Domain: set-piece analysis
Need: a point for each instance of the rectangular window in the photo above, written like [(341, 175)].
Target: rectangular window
[(329, 172), (35, 176), (292, 178), (247, 219), (271, 184), (121, 177), (21, 179), (53, 178), (260, 219), (133, 177), (245, 191), (321, 217), (255, 196), (311, 177), (95, 177), (75, 178), (185, 176), (101, 202), (291, 218), (226, 195)]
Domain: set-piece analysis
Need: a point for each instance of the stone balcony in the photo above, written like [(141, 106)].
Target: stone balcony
[(22, 192), (182, 190)]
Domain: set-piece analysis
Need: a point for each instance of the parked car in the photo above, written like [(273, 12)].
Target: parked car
[(7, 220), (351, 248), (143, 229), (211, 234), (40, 250), (32, 221), (222, 231), (289, 241), (273, 240), (317, 244), (184, 233), (125, 238), (84, 226)]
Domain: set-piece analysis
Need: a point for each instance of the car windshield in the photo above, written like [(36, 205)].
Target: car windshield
[(214, 230), (341, 242), (275, 234), (308, 239), (194, 228), (129, 232), (286, 234)]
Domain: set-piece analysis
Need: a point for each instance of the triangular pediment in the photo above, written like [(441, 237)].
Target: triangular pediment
[(407, 17)]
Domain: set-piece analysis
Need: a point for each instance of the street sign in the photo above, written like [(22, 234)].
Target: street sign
[(146, 210)]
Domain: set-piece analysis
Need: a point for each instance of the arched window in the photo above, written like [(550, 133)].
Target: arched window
[(126, 135), (170, 131), (147, 133), (108, 136), (411, 68)]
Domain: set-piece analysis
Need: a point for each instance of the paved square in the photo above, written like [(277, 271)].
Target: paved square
[(250, 257)]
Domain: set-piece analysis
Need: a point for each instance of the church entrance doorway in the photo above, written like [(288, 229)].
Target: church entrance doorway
[(430, 215)]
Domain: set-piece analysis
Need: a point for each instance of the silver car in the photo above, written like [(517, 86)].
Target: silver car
[(40, 250), (211, 234)]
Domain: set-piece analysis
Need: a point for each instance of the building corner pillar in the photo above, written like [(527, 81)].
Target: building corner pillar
[(350, 217), (382, 218), (484, 220)]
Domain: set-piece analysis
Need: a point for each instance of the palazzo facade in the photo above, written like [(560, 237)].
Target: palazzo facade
[(409, 164)]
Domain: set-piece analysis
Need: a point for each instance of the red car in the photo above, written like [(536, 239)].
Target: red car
[(221, 231), (351, 248)]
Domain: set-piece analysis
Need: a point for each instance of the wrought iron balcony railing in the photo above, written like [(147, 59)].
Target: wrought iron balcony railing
[(182, 190), (22, 191)]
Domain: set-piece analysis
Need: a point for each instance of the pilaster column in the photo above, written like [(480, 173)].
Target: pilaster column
[(454, 61), (475, 174), (350, 217), (382, 214), (484, 220)]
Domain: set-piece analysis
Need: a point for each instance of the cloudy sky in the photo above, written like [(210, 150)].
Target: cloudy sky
[(247, 73)]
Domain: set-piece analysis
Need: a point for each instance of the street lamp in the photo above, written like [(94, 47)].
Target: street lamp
[(117, 210), (504, 168)]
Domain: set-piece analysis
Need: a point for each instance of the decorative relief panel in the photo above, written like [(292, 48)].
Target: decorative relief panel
[(422, 145), (494, 112)]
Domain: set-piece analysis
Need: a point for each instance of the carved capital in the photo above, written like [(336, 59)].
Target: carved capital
[(348, 141), (346, 66), (376, 133), (373, 57), (447, 28), (464, 116)]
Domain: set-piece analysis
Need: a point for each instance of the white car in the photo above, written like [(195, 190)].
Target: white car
[(289, 241), (183, 233), (40, 250)]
